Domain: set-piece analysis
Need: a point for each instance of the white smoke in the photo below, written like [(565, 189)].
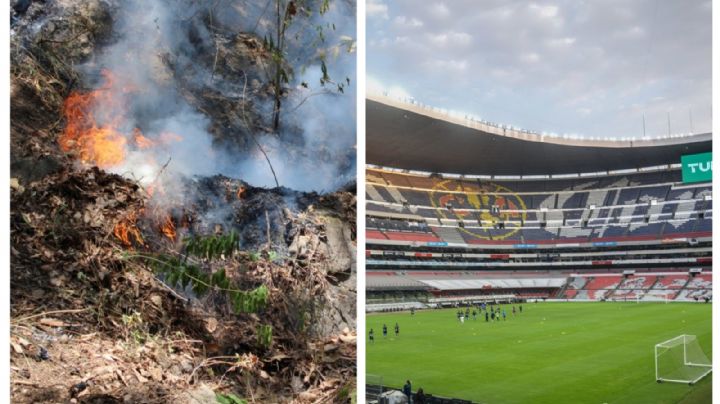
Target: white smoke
[(149, 33)]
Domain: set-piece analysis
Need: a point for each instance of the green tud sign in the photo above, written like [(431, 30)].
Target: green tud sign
[(697, 167)]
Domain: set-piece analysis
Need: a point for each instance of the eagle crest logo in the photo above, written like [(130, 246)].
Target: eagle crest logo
[(479, 208)]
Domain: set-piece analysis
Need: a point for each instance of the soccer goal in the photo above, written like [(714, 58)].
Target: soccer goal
[(681, 360)]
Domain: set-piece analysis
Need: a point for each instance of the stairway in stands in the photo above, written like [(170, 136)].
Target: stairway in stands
[(449, 234)]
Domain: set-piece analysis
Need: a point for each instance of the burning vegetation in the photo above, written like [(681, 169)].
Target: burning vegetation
[(146, 265)]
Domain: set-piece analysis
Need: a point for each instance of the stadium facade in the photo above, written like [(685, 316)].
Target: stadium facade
[(461, 210)]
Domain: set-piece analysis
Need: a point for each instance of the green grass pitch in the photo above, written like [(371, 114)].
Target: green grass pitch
[(551, 353)]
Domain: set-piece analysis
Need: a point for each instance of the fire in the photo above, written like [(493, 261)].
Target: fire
[(99, 132), (126, 230), (96, 143), (141, 141), (168, 228), (99, 139)]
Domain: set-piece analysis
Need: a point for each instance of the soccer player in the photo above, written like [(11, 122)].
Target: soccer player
[(513, 311), (412, 311), (492, 315), (521, 308), (474, 315), (384, 331), (487, 316), (504, 314), (372, 336), (397, 329)]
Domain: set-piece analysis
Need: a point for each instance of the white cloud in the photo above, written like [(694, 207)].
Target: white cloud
[(403, 21), (450, 38), (553, 65), (561, 42), (443, 65), (376, 8), (530, 57), (584, 111), (376, 87), (440, 10), (544, 11)]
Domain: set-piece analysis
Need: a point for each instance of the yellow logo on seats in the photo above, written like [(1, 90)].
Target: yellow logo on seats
[(488, 205)]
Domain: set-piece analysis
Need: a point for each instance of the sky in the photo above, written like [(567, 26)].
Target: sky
[(581, 67)]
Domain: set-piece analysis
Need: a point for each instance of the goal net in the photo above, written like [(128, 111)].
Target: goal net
[(681, 360)]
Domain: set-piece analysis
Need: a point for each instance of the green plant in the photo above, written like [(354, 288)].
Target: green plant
[(286, 12), (229, 399), (264, 333), (133, 328), (212, 247), (179, 271)]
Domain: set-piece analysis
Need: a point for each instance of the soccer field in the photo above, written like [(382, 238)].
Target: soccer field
[(551, 353)]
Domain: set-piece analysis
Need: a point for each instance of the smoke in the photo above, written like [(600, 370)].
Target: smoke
[(164, 54)]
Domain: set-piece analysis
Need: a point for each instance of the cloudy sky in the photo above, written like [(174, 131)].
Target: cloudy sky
[(590, 68)]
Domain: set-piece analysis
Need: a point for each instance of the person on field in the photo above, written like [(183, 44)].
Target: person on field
[(420, 397), (513, 311), (504, 315), (372, 336), (407, 390), (397, 329), (384, 331), (521, 309), (487, 316), (474, 315)]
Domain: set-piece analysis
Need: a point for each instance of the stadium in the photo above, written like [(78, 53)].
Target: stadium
[(604, 243)]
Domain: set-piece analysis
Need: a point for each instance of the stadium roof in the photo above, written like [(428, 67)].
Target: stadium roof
[(414, 137)]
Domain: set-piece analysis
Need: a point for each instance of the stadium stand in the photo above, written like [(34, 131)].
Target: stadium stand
[(544, 218)]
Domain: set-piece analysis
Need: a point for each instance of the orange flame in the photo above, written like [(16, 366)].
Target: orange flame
[(95, 143), (141, 141), (127, 231), (168, 228), (96, 140)]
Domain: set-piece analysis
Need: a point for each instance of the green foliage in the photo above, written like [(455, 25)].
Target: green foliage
[(134, 328), (250, 302), (255, 256), (229, 399), (212, 247), (324, 6), (177, 271), (264, 335), (286, 14), (347, 394)]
